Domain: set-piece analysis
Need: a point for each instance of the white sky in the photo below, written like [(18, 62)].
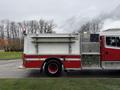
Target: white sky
[(58, 10), (110, 23)]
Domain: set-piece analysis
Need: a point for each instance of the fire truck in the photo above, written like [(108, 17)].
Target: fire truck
[(54, 53)]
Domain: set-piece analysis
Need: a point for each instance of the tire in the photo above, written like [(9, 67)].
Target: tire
[(53, 68)]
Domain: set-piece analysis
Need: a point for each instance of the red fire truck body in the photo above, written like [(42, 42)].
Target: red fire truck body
[(53, 53)]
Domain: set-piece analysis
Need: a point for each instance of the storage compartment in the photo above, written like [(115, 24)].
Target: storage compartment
[(90, 61)]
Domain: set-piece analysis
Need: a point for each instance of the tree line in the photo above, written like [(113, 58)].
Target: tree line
[(11, 32)]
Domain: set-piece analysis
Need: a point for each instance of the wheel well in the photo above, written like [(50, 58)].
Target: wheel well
[(48, 59), (57, 59)]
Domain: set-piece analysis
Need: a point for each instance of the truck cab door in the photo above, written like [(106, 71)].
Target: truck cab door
[(110, 52)]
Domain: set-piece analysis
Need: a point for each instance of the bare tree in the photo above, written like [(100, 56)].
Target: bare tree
[(46, 26), (51, 26), (92, 26), (2, 31), (41, 26)]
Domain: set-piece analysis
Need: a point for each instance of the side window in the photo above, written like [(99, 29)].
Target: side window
[(118, 41), (113, 41), (108, 41)]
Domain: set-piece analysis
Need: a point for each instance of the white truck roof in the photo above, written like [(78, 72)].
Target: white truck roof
[(110, 32)]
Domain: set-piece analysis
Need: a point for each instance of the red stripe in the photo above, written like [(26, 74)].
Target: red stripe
[(32, 64), (38, 64), (72, 64), (49, 56)]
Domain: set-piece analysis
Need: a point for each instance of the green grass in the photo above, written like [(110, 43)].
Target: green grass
[(60, 84), (10, 55)]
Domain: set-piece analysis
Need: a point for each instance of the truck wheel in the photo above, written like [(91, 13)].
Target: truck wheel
[(53, 68)]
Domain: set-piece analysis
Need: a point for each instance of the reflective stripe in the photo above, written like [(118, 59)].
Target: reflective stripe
[(35, 59), (73, 59), (42, 59), (72, 68)]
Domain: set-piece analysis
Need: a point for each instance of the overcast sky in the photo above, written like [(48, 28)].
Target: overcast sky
[(59, 10)]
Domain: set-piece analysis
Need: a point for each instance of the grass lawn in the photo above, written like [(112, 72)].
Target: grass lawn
[(10, 55), (60, 84)]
